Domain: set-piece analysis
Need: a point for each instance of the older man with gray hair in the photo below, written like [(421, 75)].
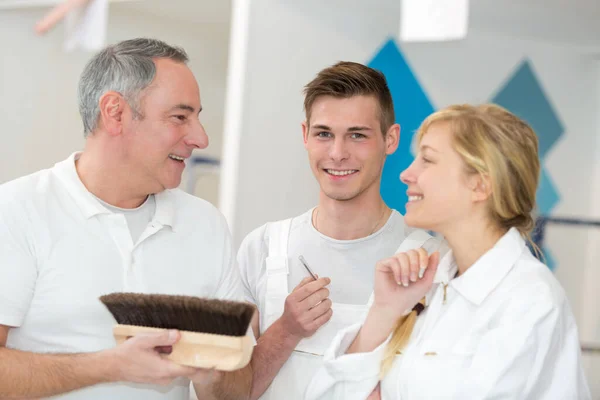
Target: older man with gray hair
[(111, 219)]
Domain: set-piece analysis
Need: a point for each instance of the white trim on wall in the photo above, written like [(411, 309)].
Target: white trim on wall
[(236, 75)]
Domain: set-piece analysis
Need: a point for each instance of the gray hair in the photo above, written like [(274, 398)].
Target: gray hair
[(127, 68)]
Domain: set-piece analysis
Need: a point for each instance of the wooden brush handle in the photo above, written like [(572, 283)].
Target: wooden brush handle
[(201, 350)]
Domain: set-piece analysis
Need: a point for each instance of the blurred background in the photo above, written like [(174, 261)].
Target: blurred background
[(538, 58)]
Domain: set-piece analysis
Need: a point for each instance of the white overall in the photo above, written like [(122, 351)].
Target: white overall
[(295, 375)]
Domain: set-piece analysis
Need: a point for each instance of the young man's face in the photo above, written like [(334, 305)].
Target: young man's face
[(346, 147)]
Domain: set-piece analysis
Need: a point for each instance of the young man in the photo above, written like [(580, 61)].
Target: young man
[(348, 132), (110, 219)]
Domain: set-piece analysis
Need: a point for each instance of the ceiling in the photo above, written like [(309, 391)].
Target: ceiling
[(571, 22), (195, 11), (565, 21)]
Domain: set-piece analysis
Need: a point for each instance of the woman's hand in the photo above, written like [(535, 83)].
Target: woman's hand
[(403, 280), (392, 298)]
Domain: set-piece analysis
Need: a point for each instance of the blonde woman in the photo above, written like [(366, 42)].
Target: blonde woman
[(488, 321)]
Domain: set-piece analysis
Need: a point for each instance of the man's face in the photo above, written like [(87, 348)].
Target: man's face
[(157, 143), (345, 145)]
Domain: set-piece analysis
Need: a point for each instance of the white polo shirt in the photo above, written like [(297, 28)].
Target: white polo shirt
[(60, 250)]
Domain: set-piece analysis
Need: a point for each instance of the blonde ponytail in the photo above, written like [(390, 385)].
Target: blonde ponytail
[(400, 337)]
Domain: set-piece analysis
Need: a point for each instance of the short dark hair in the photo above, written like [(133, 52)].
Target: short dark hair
[(348, 79)]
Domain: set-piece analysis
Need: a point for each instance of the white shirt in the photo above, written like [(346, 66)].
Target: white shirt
[(506, 331), (349, 263), (60, 250), (137, 218)]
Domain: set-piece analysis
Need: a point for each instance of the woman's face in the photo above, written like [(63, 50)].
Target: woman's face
[(440, 190)]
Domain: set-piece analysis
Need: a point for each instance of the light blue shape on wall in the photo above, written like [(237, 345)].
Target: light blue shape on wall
[(524, 95), (547, 194), (411, 106), (548, 258)]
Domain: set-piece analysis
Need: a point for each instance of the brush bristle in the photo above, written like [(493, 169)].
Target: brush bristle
[(186, 313)]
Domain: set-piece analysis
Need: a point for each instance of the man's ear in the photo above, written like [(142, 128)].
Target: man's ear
[(112, 105), (392, 139), (305, 132)]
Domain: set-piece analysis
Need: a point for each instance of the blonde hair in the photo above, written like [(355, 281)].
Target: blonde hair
[(400, 337), (500, 146)]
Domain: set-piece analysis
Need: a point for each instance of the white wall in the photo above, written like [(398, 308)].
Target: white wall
[(38, 81), (289, 42), (590, 327)]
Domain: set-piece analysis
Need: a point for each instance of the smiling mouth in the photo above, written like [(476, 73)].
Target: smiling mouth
[(176, 158), (415, 198), (346, 172)]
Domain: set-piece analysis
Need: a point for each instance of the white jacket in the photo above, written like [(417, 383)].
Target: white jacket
[(505, 331)]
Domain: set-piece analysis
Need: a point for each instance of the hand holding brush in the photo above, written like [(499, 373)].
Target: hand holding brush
[(210, 333), (136, 360)]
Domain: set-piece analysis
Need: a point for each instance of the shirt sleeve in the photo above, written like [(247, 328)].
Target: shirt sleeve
[(250, 260), (18, 270), (534, 352), (230, 285), (346, 376)]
